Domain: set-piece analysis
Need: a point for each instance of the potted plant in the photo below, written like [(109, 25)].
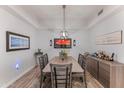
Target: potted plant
[(63, 54)]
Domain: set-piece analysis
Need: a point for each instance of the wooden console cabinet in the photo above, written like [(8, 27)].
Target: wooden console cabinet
[(109, 74)]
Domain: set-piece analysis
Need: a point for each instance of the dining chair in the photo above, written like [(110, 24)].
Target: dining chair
[(46, 60), (84, 66), (80, 59), (41, 63), (81, 62), (43, 76), (61, 75)]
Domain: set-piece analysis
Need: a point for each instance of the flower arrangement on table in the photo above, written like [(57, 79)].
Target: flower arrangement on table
[(63, 54)]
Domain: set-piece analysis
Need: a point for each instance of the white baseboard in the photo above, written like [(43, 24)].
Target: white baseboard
[(12, 81)]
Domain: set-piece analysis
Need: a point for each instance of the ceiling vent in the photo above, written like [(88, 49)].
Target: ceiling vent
[(100, 12)]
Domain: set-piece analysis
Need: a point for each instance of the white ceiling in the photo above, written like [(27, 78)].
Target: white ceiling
[(50, 17)]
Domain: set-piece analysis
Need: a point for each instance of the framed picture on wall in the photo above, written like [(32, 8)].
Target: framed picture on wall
[(110, 38), (16, 42)]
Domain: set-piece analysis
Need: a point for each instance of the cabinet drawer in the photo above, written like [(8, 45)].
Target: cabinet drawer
[(92, 67), (104, 74), (104, 82), (104, 66)]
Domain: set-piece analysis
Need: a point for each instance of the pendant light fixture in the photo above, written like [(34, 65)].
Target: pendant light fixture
[(64, 33)]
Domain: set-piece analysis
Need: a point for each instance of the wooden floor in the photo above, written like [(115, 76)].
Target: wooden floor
[(31, 80)]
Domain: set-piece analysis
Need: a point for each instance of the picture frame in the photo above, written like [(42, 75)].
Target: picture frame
[(62, 43), (110, 38), (15, 41)]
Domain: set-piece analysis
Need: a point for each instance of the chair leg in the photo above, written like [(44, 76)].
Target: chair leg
[(42, 81), (85, 81), (82, 79)]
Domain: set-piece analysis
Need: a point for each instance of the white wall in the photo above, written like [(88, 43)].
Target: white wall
[(8, 60), (111, 24), (82, 43), (44, 37)]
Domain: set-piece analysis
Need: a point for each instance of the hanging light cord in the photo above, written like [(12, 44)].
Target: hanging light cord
[(64, 6), (64, 33)]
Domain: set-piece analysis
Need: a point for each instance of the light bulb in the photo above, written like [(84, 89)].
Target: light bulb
[(64, 34)]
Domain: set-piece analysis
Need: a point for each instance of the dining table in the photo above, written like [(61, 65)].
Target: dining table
[(76, 68)]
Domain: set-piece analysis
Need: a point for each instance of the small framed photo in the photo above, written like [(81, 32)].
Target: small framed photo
[(16, 41)]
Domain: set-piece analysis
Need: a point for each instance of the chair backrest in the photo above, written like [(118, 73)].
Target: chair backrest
[(61, 75), (84, 65), (46, 60), (80, 59), (41, 62)]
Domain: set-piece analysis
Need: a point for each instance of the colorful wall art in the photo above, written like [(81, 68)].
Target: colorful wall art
[(16, 41)]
